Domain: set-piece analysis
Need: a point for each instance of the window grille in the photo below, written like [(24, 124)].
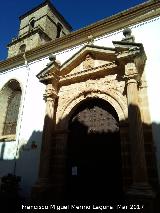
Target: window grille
[(12, 114), (10, 97)]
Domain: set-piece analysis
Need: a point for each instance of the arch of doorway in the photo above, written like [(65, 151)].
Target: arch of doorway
[(113, 97), (117, 101)]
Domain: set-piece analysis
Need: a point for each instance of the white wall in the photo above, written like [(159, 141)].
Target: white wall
[(29, 127)]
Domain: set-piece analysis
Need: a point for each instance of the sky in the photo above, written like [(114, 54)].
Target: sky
[(79, 13)]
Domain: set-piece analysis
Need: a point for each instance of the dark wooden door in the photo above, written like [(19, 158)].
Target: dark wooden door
[(94, 153)]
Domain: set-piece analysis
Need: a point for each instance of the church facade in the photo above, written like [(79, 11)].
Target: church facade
[(80, 110)]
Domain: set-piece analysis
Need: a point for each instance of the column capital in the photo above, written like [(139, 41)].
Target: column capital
[(131, 73), (130, 57), (50, 93)]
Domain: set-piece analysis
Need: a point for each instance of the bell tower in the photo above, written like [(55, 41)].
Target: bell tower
[(38, 26)]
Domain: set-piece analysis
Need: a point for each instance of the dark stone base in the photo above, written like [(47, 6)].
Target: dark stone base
[(142, 195), (42, 193)]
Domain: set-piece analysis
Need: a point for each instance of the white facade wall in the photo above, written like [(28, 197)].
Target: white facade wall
[(29, 127), (31, 117)]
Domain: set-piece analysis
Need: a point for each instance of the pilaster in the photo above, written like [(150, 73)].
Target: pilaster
[(42, 191), (59, 160), (140, 188)]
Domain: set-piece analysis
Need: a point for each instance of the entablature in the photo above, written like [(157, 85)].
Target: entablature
[(92, 62)]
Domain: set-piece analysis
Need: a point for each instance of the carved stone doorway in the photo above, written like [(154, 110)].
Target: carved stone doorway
[(94, 167)]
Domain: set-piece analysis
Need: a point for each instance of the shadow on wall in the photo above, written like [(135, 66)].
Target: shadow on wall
[(81, 156), (28, 163), (77, 138), (2, 151), (79, 149), (26, 166), (156, 134)]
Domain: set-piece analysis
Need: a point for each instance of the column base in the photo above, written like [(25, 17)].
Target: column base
[(143, 195), (141, 189), (42, 192)]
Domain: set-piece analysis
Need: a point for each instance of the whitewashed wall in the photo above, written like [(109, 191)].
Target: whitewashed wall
[(29, 127), (30, 123)]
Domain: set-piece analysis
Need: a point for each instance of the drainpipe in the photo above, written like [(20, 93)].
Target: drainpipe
[(22, 111)]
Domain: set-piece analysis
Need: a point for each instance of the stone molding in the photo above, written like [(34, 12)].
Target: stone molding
[(113, 97), (7, 138), (91, 71)]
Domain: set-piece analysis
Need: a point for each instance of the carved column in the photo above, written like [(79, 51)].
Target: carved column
[(50, 98), (41, 191), (139, 167), (59, 164)]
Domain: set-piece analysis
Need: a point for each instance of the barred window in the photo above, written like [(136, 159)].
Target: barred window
[(10, 97)]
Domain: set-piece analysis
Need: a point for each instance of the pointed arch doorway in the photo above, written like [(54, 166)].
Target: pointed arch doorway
[(94, 168)]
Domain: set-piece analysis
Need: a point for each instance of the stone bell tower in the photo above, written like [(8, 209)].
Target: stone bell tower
[(38, 26)]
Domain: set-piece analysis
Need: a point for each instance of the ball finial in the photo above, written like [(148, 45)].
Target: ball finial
[(52, 57), (128, 37), (127, 32)]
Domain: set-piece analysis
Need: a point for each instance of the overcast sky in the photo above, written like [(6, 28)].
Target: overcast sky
[(78, 13)]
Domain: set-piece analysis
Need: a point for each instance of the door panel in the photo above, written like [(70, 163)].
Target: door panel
[(94, 153)]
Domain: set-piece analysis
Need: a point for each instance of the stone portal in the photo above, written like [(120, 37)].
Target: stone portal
[(97, 127)]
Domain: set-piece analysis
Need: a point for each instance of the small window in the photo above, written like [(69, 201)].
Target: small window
[(59, 29), (10, 97), (31, 24), (22, 48)]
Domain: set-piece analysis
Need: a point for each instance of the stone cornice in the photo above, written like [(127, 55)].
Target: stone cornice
[(127, 56), (104, 54), (142, 12), (132, 54), (96, 71), (38, 29)]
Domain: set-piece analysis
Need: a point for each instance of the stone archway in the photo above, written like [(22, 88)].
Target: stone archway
[(94, 167), (117, 72)]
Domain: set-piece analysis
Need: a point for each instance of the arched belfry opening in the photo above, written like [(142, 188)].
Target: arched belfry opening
[(94, 167)]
